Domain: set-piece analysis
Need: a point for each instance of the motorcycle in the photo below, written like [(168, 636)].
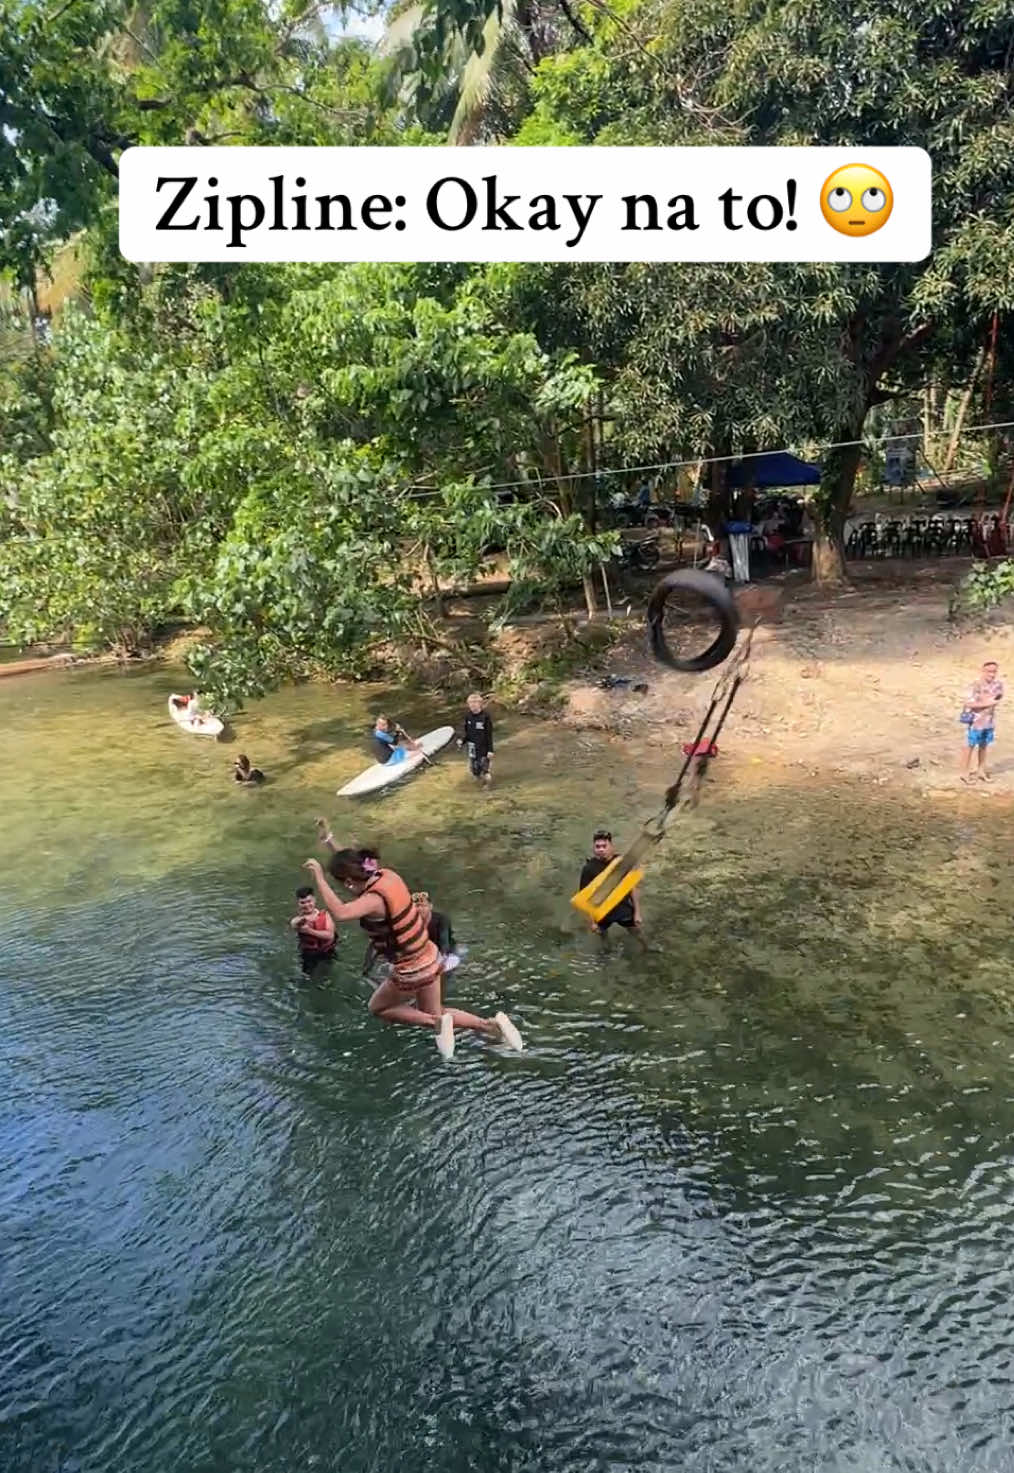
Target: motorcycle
[(640, 556)]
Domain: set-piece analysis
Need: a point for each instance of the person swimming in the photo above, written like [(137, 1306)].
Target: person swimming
[(410, 994), (244, 773)]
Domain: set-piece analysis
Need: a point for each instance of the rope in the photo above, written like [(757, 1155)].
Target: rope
[(722, 696), (537, 480)]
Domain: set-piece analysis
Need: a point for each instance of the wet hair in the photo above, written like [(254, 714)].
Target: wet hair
[(304, 892), (369, 854), (347, 864), (243, 761), (601, 834)]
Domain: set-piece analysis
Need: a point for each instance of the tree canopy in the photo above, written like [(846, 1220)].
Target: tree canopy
[(291, 455)]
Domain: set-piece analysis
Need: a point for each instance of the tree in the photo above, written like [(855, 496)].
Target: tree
[(768, 74), (82, 81), (281, 467), (474, 84)]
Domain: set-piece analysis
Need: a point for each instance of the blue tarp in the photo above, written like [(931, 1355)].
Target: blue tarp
[(774, 469)]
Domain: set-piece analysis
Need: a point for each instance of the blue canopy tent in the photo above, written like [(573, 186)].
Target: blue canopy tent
[(774, 468)]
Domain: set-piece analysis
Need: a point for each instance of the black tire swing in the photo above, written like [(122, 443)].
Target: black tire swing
[(714, 592)]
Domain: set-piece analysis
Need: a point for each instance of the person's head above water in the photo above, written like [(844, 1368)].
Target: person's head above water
[(370, 859), (602, 844), (475, 702), (243, 762), (306, 900), (348, 868), (423, 904)]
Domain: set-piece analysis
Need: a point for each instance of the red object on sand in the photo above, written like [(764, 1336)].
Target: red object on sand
[(702, 749)]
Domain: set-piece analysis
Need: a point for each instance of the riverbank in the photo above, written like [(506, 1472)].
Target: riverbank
[(864, 683)]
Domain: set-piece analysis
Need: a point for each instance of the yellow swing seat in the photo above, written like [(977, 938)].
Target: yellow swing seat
[(615, 883)]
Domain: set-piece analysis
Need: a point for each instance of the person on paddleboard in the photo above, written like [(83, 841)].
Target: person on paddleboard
[(391, 742), (438, 928), (410, 994), (627, 914), (314, 930)]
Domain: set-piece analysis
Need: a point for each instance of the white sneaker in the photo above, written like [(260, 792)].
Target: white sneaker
[(445, 1037), (508, 1033)]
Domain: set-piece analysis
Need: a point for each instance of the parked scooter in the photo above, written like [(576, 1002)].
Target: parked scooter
[(640, 556)]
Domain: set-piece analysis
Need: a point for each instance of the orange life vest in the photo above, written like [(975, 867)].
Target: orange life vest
[(315, 943), (406, 941)]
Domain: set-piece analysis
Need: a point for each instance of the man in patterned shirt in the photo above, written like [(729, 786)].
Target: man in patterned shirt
[(981, 705)]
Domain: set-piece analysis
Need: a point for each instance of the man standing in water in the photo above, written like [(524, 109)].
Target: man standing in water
[(477, 736), (314, 931), (627, 914), (410, 994)]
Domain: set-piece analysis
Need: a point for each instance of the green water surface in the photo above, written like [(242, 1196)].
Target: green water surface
[(742, 1204)]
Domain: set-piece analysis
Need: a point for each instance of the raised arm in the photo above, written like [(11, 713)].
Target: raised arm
[(343, 910), (325, 835)]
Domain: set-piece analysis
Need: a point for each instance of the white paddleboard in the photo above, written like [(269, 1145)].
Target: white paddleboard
[(205, 726), (381, 774)]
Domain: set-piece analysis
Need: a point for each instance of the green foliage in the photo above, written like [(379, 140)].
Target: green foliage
[(986, 587), (80, 82), (284, 467)]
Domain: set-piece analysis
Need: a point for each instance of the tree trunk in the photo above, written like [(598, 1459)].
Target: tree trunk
[(719, 502), (831, 509), (589, 595), (959, 423)]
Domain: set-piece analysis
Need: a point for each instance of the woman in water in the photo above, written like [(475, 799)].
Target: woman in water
[(244, 773), (411, 993)]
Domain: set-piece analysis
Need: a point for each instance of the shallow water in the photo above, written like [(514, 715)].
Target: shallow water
[(743, 1205)]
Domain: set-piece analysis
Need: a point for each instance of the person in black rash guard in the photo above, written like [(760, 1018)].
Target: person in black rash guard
[(477, 736), (628, 913)]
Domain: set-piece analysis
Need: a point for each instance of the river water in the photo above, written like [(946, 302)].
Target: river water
[(745, 1204)]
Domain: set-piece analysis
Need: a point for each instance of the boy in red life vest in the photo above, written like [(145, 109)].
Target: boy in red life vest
[(410, 994), (314, 931)]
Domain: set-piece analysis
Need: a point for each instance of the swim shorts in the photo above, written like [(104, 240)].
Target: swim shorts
[(311, 960), (980, 738)]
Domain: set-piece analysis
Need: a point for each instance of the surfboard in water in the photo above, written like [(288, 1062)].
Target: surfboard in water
[(207, 725), (382, 774)]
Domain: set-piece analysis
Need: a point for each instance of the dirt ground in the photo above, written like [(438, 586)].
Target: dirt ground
[(865, 682)]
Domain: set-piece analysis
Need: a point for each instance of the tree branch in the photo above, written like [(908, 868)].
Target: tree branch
[(579, 28)]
